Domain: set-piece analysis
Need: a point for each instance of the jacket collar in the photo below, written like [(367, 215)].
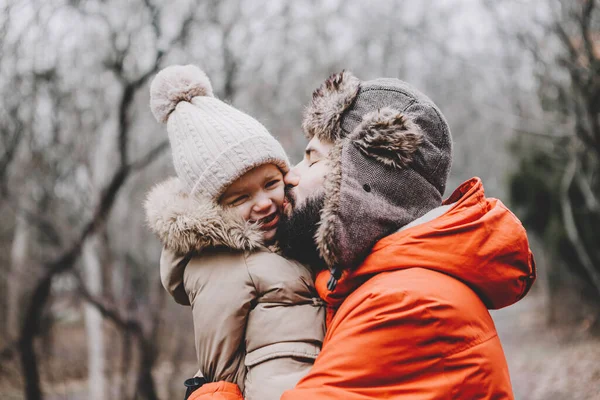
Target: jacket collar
[(431, 215), (475, 239)]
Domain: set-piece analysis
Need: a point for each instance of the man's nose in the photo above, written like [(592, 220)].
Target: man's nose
[(292, 178)]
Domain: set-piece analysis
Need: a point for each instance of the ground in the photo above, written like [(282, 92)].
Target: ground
[(560, 363)]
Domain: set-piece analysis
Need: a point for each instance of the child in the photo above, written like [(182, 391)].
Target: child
[(258, 321)]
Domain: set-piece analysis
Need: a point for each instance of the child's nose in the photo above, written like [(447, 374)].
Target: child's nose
[(263, 203)]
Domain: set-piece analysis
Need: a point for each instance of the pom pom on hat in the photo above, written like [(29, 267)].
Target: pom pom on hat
[(174, 84)]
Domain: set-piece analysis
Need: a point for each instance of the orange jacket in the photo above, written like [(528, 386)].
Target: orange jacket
[(412, 321)]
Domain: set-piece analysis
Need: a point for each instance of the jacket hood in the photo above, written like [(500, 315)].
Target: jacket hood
[(186, 227), (477, 240), (184, 224)]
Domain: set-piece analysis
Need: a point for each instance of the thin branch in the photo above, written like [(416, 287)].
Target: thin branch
[(585, 21), (9, 350), (106, 310), (147, 347), (150, 157), (40, 220), (537, 133), (591, 202), (124, 123), (570, 47), (133, 86), (11, 147), (154, 16)]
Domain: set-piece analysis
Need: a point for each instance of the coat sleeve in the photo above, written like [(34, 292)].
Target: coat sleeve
[(359, 342), (217, 391), (221, 294), (286, 327)]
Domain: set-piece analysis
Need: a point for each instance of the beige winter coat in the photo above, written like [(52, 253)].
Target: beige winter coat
[(258, 321)]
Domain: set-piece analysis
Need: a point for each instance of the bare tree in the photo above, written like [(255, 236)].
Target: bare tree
[(130, 82), (80, 149), (563, 44)]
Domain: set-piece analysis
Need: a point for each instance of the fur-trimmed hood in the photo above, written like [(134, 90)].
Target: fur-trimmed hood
[(185, 225)]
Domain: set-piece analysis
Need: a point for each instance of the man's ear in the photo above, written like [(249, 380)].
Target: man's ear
[(388, 136)]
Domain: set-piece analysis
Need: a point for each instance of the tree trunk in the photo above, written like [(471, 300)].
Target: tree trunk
[(14, 284), (145, 384), (93, 321)]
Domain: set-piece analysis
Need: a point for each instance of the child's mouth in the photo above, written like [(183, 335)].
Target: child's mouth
[(269, 222)]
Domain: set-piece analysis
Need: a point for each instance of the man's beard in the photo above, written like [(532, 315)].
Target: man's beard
[(296, 231)]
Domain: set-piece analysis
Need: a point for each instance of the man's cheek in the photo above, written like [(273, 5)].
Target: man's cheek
[(320, 179)]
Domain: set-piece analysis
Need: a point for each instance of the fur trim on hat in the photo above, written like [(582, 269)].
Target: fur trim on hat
[(388, 136), (322, 117), (185, 225), (385, 135), (174, 84), (326, 235)]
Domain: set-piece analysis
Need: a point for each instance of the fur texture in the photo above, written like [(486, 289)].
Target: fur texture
[(388, 136), (326, 236), (185, 225), (174, 84), (322, 117), (385, 135)]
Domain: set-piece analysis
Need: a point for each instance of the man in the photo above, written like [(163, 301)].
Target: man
[(409, 277)]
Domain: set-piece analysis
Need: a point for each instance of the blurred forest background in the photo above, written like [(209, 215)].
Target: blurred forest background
[(82, 311)]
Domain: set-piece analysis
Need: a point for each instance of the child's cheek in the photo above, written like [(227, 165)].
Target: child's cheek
[(242, 211)]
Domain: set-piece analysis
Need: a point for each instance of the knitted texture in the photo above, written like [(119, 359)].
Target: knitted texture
[(212, 142)]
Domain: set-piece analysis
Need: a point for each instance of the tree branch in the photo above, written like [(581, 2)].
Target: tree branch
[(591, 202), (154, 17), (573, 53), (9, 350), (10, 151), (133, 86), (106, 310), (571, 227), (585, 21), (149, 157)]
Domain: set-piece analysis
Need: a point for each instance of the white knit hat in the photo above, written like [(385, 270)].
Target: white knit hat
[(212, 143)]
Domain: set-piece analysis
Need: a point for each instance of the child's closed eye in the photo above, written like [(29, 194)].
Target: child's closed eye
[(239, 200), (271, 184)]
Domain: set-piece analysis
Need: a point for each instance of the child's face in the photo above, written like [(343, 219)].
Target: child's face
[(257, 196)]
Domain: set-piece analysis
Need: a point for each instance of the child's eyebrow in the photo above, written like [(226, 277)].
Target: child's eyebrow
[(271, 176), (235, 193)]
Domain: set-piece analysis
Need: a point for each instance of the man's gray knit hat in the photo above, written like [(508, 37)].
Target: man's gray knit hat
[(212, 142), (389, 165)]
